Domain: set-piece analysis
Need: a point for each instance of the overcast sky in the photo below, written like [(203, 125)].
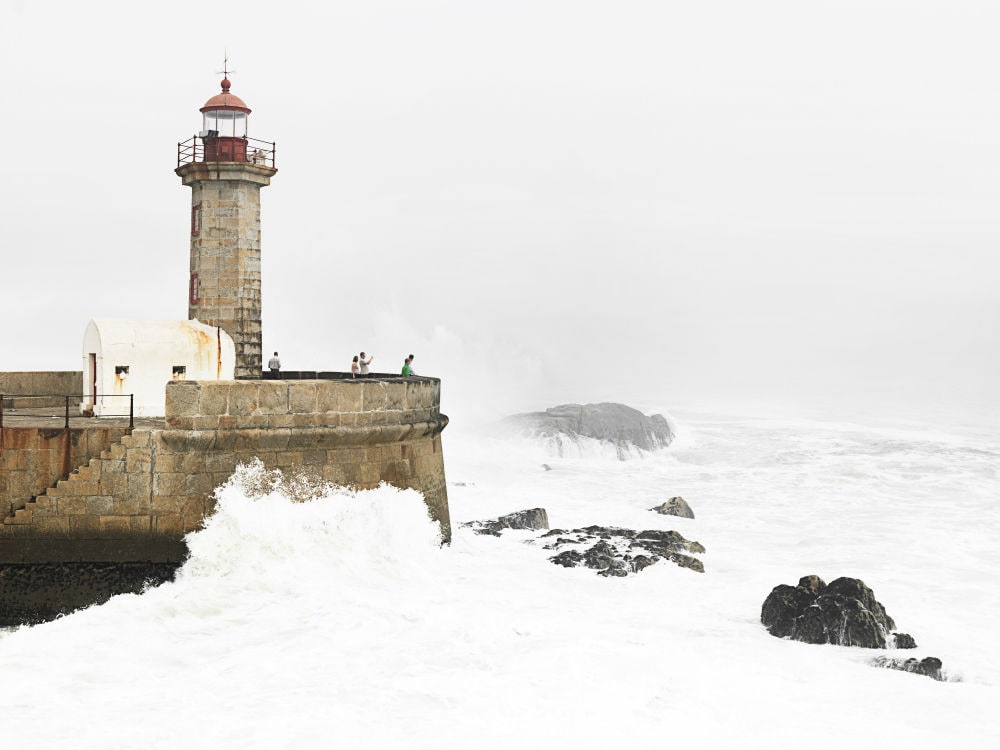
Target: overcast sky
[(664, 202)]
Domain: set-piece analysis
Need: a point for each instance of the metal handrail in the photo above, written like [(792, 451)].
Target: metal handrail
[(257, 152), (67, 398)]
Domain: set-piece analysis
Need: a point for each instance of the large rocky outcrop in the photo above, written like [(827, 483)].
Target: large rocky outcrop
[(844, 613), (622, 426)]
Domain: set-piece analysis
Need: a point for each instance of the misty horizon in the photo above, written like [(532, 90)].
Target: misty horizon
[(544, 202)]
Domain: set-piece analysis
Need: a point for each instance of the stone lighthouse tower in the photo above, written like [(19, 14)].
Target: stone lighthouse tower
[(226, 170)]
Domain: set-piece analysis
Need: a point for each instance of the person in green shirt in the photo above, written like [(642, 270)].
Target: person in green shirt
[(407, 369)]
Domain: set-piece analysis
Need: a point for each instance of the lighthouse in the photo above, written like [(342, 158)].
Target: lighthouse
[(225, 170)]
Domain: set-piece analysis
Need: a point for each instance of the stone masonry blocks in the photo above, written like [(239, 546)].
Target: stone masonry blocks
[(183, 401), (302, 397), (373, 396), (272, 398), (214, 400)]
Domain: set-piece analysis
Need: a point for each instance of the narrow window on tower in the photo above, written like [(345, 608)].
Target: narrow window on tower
[(194, 289), (195, 219)]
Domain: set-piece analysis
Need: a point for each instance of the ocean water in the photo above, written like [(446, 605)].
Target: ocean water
[(339, 621)]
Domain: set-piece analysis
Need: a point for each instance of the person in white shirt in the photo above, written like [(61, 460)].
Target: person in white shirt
[(364, 364)]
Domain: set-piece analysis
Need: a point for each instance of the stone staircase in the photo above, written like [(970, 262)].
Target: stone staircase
[(82, 490)]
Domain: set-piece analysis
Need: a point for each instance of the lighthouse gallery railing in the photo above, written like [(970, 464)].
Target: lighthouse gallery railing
[(195, 149)]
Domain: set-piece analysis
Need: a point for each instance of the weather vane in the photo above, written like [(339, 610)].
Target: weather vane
[(225, 65)]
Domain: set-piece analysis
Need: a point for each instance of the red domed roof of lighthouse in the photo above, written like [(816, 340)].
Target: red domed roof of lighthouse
[(225, 100)]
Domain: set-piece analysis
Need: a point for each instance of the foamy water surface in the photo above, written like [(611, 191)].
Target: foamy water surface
[(342, 622)]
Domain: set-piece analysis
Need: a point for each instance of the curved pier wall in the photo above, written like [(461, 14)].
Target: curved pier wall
[(357, 433), (136, 501)]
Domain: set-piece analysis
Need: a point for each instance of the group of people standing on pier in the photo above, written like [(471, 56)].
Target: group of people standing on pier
[(359, 366)]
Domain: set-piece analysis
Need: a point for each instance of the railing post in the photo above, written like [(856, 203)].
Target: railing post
[(131, 412), (67, 412)]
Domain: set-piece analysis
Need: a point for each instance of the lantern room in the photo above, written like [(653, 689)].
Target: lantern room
[(225, 126)]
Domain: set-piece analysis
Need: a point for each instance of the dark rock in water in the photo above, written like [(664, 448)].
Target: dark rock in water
[(616, 552), (813, 584), (600, 556), (617, 424), (929, 666), (675, 506), (844, 613), (546, 467), (903, 640), (686, 561), (616, 569), (665, 542), (782, 608), (839, 620), (535, 518), (853, 588), (639, 562), (568, 558)]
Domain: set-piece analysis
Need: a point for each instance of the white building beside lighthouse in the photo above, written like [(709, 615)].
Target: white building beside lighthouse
[(135, 359)]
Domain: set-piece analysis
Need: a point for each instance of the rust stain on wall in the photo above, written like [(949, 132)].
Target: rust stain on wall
[(207, 352)]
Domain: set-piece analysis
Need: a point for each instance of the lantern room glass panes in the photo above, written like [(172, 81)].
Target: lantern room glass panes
[(227, 123)]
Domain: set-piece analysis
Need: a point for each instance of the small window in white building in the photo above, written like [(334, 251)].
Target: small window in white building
[(180, 372), (121, 371)]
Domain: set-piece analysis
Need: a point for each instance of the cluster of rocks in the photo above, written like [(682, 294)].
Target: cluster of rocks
[(610, 550), (621, 426), (844, 612), (613, 551)]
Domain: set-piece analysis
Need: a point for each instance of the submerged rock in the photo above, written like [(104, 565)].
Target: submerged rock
[(675, 506), (535, 518), (617, 424), (614, 551), (843, 613), (929, 666)]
